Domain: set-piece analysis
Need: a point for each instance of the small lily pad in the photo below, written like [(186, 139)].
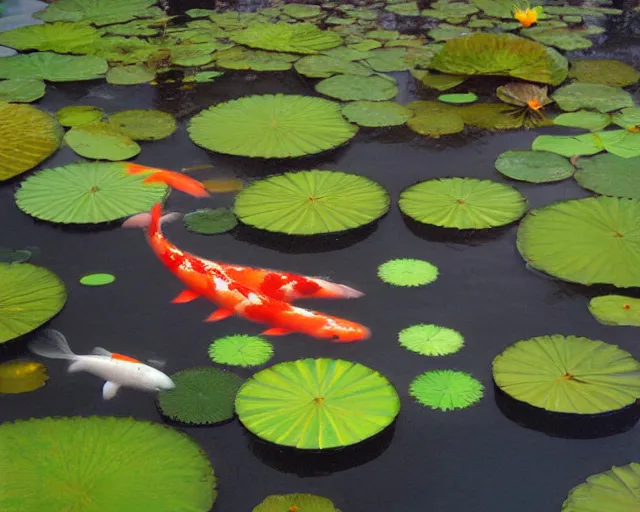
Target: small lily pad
[(324, 66), (143, 124), (22, 90), (130, 75), (349, 87), (431, 340), (468, 97), (210, 221), (295, 502), (438, 81), (241, 350), (97, 279), (446, 389), (376, 113), (101, 142), (407, 272), (77, 115), (616, 310), (534, 166)]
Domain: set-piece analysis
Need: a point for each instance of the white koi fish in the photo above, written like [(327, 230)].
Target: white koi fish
[(118, 370)]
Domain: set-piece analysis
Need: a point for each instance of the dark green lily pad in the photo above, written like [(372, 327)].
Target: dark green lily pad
[(22, 90), (434, 119), (387, 60), (534, 166), (610, 175), (209, 221), (602, 98), (130, 75), (606, 72), (324, 66), (349, 87), (143, 124), (438, 81), (491, 116), (376, 113)]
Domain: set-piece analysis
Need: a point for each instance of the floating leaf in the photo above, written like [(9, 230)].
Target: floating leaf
[(446, 32), (241, 350), (376, 113), (54, 37), (241, 58), (87, 193), (77, 115), (22, 376), (622, 143), (404, 9), (492, 116), (295, 502), (349, 87), (12, 256), (563, 38), (101, 142), (606, 72), (202, 396), (568, 374), (496, 8), (462, 203), (85, 459), (501, 54), (592, 121), (628, 118), (209, 221), (387, 60), (284, 37), (580, 10), (53, 67), (331, 402), (569, 145), (21, 90), (324, 66), (311, 202), (194, 54), (407, 272), (434, 119), (29, 136), (614, 491), (100, 12), (610, 175), (534, 166), (125, 50), (220, 186), (301, 11), (29, 297), (438, 81), (602, 98), (130, 75), (467, 97), (204, 77), (271, 126), (594, 240), (616, 310), (431, 340), (97, 279), (143, 124), (446, 389)]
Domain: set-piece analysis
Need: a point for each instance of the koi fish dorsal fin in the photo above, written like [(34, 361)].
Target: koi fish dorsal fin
[(98, 351), (120, 357)]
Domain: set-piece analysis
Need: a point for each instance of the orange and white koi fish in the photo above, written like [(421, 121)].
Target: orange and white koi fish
[(176, 180), (204, 278), (118, 370)]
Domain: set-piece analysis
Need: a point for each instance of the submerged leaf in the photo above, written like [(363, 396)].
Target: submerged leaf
[(22, 376), (209, 221)]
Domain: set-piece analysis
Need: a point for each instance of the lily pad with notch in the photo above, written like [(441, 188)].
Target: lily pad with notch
[(143, 124), (534, 166), (22, 90), (602, 98), (53, 67), (375, 114), (610, 175), (210, 221), (350, 87), (100, 141), (616, 310), (612, 73)]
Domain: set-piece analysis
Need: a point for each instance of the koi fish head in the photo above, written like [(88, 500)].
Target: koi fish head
[(154, 379)]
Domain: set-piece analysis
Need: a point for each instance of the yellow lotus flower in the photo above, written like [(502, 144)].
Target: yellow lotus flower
[(527, 16)]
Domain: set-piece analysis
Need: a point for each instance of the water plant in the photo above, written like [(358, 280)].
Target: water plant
[(241, 350), (210, 221), (431, 340), (100, 279), (407, 272), (446, 390), (21, 376), (295, 503), (616, 310), (534, 166)]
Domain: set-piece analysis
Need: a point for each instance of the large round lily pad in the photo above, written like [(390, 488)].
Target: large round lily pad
[(102, 464), (568, 374), (595, 240), (271, 126), (29, 136), (602, 98), (615, 490), (349, 87), (610, 175), (462, 203), (53, 67), (99, 12), (285, 37), (102, 142), (143, 124), (616, 310), (317, 403), (87, 193), (61, 37), (22, 90), (311, 202), (534, 166), (29, 296)]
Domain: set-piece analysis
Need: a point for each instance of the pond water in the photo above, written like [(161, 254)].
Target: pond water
[(470, 459)]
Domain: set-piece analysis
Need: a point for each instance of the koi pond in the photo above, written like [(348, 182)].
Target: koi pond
[(319, 256)]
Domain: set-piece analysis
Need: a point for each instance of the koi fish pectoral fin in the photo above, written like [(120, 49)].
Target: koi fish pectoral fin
[(185, 296), (219, 314), (109, 390), (276, 331)]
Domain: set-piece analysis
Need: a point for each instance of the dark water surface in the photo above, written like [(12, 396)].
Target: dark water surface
[(467, 460)]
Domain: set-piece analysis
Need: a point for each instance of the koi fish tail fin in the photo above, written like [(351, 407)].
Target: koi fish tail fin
[(178, 181), (52, 344), (152, 220), (132, 168)]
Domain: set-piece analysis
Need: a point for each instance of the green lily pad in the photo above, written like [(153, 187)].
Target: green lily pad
[(323, 66), (143, 124), (431, 340), (301, 11), (140, 28), (592, 121), (602, 98), (589, 241), (621, 142), (311, 202), (29, 297), (407, 272), (438, 81), (209, 221), (99, 12), (271, 126), (605, 72), (446, 11), (434, 119), (327, 411), (616, 310), (130, 75), (97, 279), (202, 396), (495, 8), (614, 491), (467, 97), (257, 60), (53, 67), (365, 46), (22, 90), (241, 350), (349, 87), (77, 115), (387, 60), (610, 175), (285, 502), (462, 203), (29, 136), (203, 77), (284, 37), (501, 54), (581, 10), (101, 142), (628, 118), (124, 50), (492, 116), (194, 54), (376, 113), (569, 145), (568, 374), (446, 390), (404, 9), (87, 193), (90, 457), (58, 37), (534, 166), (563, 38), (383, 35)]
